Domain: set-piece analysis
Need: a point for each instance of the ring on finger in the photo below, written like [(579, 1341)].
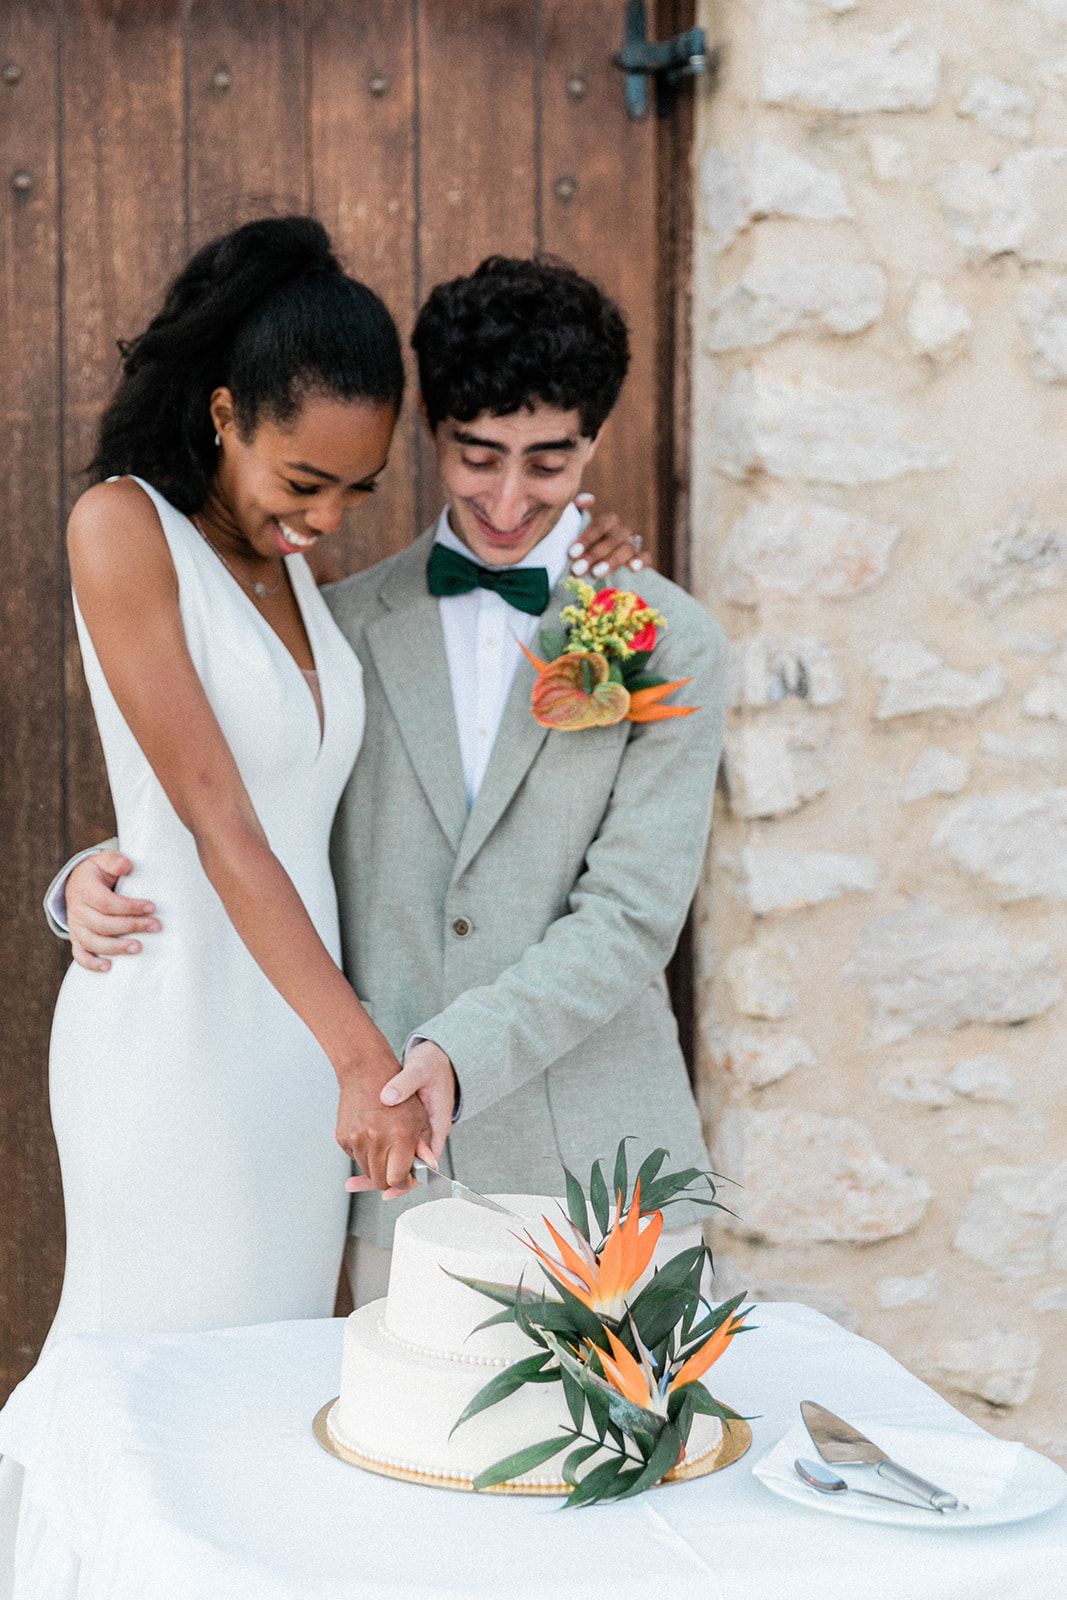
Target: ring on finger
[(637, 542)]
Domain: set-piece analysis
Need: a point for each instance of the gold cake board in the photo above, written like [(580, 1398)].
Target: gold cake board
[(736, 1439)]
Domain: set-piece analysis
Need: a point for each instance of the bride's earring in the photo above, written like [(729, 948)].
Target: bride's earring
[(218, 441)]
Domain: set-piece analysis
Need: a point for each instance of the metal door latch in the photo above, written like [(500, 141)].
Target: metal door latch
[(669, 61)]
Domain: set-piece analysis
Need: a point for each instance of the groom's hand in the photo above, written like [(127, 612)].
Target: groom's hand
[(427, 1072), (100, 920)]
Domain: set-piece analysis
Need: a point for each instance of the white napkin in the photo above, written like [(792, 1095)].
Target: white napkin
[(971, 1465)]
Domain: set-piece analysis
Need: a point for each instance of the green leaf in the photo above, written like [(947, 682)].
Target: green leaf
[(503, 1292), (598, 1197), (643, 680), (574, 1461), (638, 661), (576, 1204), (553, 643), (598, 1411), (505, 1383), (665, 1455), (522, 1461), (614, 672), (574, 1395), (619, 1178), (648, 1170), (701, 1400), (596, 1483)]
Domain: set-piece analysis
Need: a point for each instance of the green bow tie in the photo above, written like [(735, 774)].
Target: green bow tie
[(525, 588)]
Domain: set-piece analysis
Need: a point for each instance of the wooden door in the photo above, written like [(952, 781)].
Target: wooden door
[(425, 134)]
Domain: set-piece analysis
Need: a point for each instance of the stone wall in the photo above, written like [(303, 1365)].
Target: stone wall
[(880, 455)]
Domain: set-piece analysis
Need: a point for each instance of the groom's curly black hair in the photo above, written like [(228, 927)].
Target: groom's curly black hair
[(519, 331)]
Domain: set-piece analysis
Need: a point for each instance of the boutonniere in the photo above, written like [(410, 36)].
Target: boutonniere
[(594, 672)]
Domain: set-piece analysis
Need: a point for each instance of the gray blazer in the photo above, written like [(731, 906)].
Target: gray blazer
[(527, 936)]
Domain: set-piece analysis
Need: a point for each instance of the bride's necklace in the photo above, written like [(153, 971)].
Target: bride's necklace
[(260, 589)]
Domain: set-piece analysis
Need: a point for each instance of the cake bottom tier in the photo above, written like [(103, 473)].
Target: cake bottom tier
[(397, 1409)]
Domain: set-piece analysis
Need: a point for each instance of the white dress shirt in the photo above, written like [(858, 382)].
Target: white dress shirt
[(482, 636)]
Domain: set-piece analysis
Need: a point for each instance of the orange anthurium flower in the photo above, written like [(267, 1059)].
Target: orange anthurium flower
[(709, 1352), (575, 691), (603, 1283)]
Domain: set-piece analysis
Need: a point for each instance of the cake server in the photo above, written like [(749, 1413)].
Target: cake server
[(839, 1442), (453, 1189)]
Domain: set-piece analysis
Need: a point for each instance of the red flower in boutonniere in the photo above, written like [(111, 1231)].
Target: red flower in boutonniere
[(595, 672)]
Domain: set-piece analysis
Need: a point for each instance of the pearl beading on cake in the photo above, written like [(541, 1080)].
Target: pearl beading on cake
[(462, 1357), (461, 1474)]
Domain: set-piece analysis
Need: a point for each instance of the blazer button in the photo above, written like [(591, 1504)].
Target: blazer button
[(461, 927)]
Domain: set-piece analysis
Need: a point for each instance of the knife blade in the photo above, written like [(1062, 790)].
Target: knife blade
[(839, 1442), (455, 1190)]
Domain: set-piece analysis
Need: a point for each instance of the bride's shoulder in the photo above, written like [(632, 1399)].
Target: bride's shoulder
[(115, 526), (119, 501)]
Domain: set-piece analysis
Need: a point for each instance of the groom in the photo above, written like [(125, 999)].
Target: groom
[(510, 896)]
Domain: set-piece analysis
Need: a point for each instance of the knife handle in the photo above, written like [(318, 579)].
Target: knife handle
[(940, 1499)]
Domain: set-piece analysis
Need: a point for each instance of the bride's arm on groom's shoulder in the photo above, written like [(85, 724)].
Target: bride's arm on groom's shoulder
[(121, 568)]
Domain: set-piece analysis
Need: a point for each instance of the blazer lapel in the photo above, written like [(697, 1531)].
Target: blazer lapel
[(408, 648), (517, 743)]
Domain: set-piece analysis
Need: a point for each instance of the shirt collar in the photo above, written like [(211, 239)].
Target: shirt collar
[(551, 553)]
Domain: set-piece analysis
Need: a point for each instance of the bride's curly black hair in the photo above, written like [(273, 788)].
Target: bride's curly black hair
[(516, 332), (267, 311)]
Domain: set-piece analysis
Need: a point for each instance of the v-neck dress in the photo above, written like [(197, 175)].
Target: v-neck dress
[(193, 1109)]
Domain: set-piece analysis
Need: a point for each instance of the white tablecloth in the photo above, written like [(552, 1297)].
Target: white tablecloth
[(184, 1468)]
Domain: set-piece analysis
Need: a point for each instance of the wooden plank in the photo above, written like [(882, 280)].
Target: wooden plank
[(246, 96), (361, 98), (479, 134), (600, 214), (31, 682), (123, 228)]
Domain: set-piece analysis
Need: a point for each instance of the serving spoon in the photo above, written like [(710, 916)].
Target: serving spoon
[(827, 1482)]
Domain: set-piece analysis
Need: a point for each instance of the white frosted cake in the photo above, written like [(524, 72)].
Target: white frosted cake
[(412, 1362)]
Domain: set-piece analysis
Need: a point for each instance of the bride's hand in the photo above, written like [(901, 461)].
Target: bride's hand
[(605, 545), (99, 920)]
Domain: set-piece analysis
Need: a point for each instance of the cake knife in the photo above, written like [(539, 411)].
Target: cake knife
[(428, 1175), (839, 1442)]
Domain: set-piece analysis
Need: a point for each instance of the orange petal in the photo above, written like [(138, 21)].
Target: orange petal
[(640, 698), (572, 1260), (661, 713), (709, 1352), (624, 1373), (535, 661)]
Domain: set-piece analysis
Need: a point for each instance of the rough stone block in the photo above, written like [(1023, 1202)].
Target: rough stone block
[(749, 1060), (936, 771), (986, 1078), (1047, 697), (918, 1083), (937, 326), (1043, 317), (773, 181), (794, 548), (1020, 206), (786, 880), (1014, 1220), (761, 673), (803, 428), (760, 977), (895, 71), (840, 297), (925, 969), (1001, 107), (1044, 747), (806, 1178), (770, 771), (999, 1366), (1014, 560), (1015, 841), (916, 680), (922, 1290)]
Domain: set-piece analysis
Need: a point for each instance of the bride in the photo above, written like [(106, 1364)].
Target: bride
[(193, 1093)]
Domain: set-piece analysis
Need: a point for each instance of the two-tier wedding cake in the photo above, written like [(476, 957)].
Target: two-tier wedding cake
[(413, 1361)]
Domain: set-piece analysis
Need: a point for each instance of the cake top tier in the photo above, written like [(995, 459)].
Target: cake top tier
[(428, 1310)]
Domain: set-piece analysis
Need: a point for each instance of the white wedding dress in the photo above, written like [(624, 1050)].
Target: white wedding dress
[(193, 1109)]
